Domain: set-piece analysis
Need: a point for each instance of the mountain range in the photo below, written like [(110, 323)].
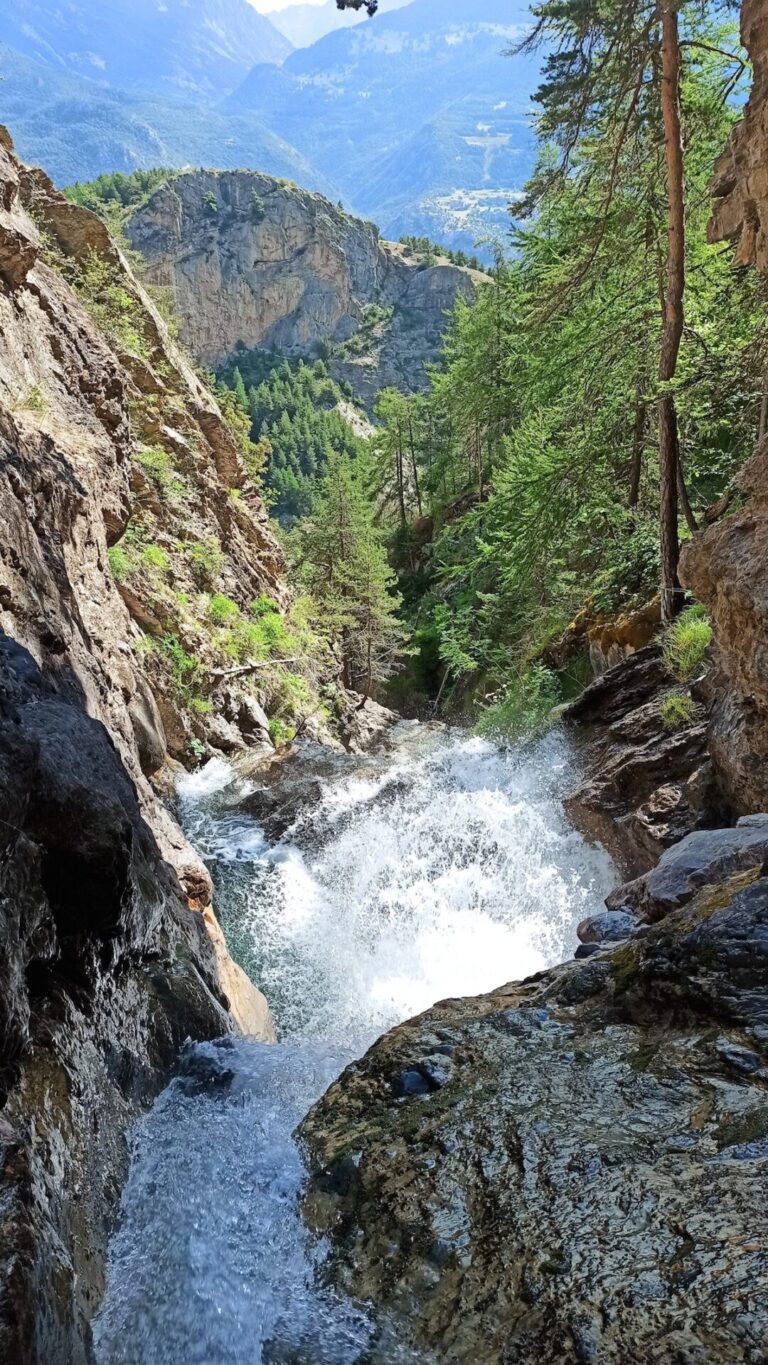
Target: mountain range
[(417, 119)]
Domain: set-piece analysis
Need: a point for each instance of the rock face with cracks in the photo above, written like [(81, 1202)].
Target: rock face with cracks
[(567, 1169), (259, 261), (111, 954)]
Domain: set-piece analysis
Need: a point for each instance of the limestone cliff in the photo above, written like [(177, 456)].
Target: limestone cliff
[(111, 955), (255, 260), (727, 565)]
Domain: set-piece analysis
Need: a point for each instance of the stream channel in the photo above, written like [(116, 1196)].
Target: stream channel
[(440, 866)]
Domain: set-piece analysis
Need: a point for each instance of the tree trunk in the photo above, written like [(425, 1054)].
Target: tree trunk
[(685, 502), (638, 444), (673, 308), (414, 465)]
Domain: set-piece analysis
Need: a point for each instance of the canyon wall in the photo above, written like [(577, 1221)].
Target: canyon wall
[(111, 954), (726, 566), (258, 261)]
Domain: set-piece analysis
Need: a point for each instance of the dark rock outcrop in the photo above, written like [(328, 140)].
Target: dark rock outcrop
[(259, 261), (580, 1184), (645, 786)]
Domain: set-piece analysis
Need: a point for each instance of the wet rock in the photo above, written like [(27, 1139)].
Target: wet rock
[(645, 786), (148, 728), (702, 859), (607, 928), (591, 1162)]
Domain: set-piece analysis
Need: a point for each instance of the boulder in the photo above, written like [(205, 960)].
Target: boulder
[(704, 858)]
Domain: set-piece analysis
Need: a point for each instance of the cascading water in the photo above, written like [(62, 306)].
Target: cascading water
[(446, 870)]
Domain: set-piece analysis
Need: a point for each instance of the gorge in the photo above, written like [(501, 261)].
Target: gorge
[(328, 1036)]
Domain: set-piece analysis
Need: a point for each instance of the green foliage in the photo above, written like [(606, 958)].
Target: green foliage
[(205, 559), (181, 666), (114, 308), (153, 557), (119, 563), (430, 253), (523, 710), (33, 400), (159, 465), (210, 203), (114, 194), (289, 412), (280, 733), (535, 452), (677, 710), (685, 645), (221, 609), (258, 208), (344, 564)]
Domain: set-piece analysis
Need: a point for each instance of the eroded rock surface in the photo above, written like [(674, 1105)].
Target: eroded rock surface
[(256, 260), (645, 786), (565, 1170), (111, 955)]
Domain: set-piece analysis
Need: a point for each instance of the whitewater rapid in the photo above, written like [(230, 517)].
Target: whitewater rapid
[(447, 868)]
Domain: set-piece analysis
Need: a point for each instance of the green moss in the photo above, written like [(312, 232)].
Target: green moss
[(749, 1127), (624, 963)]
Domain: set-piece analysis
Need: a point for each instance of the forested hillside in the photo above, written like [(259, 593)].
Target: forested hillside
[(565, 426)]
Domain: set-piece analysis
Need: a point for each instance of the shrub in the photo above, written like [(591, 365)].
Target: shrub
[(210, 203), (34, 400), (258, 207), (159, 465), (280, 733), (181, 665), (152, 557), (685, 645), (116, 311), (201, 706), (205, 559), (523, 711), (119, 563), (677, 710), (222, 609)]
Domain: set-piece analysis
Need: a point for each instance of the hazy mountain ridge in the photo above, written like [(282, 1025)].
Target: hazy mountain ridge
[(417, 119), (183, 48)]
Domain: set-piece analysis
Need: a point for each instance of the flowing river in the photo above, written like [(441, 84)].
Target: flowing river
[(445, 868)]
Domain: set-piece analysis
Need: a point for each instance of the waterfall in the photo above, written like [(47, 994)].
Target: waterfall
[(445, 869)]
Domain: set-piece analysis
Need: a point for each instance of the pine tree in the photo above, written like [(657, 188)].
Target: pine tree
[(347, 572)]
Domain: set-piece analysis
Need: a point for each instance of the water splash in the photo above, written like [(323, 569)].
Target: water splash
[(446, 870)]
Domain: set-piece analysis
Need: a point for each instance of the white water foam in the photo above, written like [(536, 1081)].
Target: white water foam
[(444, 873)]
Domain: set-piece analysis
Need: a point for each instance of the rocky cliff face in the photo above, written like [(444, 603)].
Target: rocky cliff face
[(565, 1170), (740, 182), (111, 953), (727, 565), (258, 261)]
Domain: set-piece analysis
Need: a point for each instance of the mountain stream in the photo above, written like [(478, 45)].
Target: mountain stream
[(441, 867)]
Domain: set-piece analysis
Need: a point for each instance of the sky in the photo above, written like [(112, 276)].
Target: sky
[(266, 5)]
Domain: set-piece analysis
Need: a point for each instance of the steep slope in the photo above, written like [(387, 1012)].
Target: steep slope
[(111, 953), (252, 260), (431, 71), (78, 129), (199, 48), (727, 566)]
